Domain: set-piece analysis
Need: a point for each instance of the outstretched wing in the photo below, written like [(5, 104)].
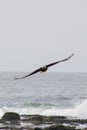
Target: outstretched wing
[(36, 71), (49, 65), (40, 69)]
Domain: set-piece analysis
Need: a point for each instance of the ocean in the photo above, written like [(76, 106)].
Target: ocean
[(50, 93)]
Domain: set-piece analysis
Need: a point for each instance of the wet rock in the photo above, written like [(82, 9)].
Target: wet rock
[(55, 119), (39, 119), (57, 127), (36, 119), (38, 128), (14, 121), (10, 116)]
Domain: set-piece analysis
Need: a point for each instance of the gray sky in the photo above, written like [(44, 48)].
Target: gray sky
[(36, 32)]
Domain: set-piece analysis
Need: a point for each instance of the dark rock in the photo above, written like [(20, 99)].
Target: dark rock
[(56, 119), (39, 119), (38, 128), (36, 119), (10, 116), (14, 121), (57, 127), (60, 127)]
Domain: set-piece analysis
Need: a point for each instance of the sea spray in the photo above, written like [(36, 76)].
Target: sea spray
[(79, 111), (63, 94)]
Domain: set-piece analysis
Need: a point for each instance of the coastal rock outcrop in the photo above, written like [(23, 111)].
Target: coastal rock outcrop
[(14, 121), (10, 116)]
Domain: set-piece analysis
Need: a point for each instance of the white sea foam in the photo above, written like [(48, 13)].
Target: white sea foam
[(79, 111)]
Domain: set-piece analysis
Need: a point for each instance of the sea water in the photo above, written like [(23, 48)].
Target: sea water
[(50, 93)]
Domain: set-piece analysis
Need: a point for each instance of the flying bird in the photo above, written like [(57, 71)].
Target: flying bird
[(44, 68)]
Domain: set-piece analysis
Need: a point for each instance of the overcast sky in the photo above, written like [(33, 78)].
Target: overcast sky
[(37, 32)]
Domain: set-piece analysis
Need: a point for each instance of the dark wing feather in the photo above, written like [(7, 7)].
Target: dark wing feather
[(36, 71), (49, 65)]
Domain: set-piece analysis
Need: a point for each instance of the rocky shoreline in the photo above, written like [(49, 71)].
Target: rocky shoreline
[(14, 121)]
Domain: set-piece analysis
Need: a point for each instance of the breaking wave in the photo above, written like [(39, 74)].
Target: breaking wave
[(79, 111)]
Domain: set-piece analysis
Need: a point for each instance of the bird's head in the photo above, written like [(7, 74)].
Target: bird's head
[(44, 68)]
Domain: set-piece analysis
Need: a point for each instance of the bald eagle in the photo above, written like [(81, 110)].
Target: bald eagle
[(44, 68)]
